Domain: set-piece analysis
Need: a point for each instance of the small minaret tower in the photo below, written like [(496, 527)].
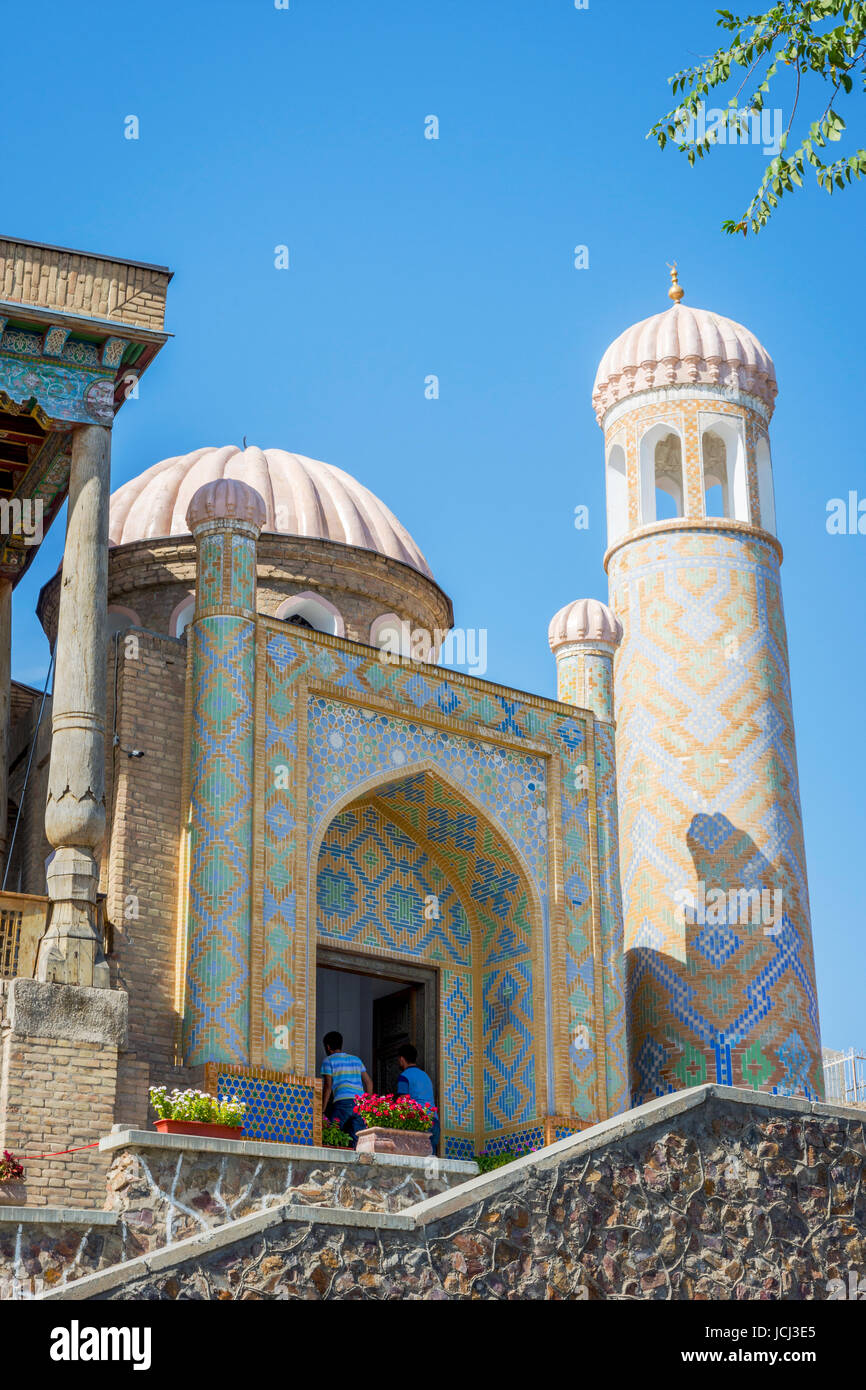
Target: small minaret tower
[(719, 963)]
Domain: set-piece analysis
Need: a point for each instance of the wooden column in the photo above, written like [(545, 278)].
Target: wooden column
[(71, 952), (5, 675)]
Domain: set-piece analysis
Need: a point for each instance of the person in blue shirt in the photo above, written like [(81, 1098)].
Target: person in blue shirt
[(345, 1078), (416, 1084)]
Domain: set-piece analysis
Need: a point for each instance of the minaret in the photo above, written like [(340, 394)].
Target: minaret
[(720, 971)]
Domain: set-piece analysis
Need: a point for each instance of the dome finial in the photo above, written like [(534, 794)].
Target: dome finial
[(676, 290)]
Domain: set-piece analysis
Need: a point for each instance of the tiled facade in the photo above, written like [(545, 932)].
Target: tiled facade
[(708, 788), (376, 788)]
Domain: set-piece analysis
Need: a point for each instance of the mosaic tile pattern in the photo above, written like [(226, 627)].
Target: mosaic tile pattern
[(508, 1030), (348, 744), (373, 886), (279, 1112), (217, 1007), (709, 794), (515, 1141)]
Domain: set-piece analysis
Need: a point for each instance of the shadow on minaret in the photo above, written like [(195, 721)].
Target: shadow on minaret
[(734, 1002)]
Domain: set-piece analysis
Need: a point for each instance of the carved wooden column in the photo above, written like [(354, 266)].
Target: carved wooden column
[(5, 675), (71, 952)]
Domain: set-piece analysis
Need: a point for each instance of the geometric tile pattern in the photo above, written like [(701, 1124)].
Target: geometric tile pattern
[(364, 724), (372, 885), (507, 1038), (709, 799), (280, 1111), (217, 1003), (418, 875), (348, 746)]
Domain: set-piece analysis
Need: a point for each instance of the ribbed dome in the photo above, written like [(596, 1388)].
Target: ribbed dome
[(684, 346), (584, 620), (303, 497)]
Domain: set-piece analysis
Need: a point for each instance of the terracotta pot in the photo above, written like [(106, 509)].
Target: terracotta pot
[(198, 1129), (394, 1141)]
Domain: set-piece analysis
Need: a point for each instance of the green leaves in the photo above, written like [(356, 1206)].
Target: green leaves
[(779, 51)]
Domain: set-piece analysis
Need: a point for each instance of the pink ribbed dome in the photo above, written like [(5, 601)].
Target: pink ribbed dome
[(684, 346), (224, 499), (584, 620), (302, 497)]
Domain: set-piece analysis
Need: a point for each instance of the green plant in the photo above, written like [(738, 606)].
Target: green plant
[(487, 1162), (395, 1112), (801, 43), (334, 1136), (197, 1105), (10, 1168)]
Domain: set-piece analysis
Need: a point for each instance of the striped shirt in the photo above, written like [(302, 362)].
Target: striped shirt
[(345, 1073)]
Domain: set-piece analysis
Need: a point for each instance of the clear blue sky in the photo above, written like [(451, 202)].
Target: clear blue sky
[(409, 257)]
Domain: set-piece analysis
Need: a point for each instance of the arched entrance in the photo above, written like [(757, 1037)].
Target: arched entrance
[(426, 919)]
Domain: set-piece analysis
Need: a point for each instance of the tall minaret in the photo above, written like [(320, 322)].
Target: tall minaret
[(721, 979)]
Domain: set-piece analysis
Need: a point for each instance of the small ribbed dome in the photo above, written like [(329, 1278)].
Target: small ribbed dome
[(225, 499), (302, 497), (584, 620), (684, 346)]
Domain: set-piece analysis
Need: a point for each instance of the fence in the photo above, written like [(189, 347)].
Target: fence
[(845, 1077)]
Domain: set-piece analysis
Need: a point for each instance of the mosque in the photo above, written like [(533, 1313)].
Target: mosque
[(264, 815)]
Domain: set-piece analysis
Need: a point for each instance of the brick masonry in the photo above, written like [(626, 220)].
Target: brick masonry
[(74, 282), (55, 1094)]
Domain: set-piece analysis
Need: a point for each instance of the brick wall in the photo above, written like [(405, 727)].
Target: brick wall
[(56, 1094), (88, 285), (140, 873), (151, 578)]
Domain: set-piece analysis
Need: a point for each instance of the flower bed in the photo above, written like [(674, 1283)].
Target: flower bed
[(395, 1112), (197, 1112), (394, 1125)]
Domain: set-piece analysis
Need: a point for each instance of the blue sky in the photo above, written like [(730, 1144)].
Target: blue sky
[(411, 257)]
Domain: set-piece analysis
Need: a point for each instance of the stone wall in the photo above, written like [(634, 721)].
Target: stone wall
[(40, 1250), (163, 1189), (712, 1193)]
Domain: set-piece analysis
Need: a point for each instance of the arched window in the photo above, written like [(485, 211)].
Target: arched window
[(119, 618), (316, 612), (391, 634), (766, 490), (617, 495), (662, 496), (182, 616), (726, 488)]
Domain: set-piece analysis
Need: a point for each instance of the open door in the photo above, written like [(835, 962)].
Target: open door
[(397, 1019)]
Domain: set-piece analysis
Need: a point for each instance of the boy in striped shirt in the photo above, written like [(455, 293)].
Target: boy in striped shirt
[(345, 1078)]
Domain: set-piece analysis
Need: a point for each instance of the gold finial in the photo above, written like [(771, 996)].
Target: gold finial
[(676, 290)]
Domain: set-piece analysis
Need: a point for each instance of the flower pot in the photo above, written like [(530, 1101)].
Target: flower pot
[(198, 1129), (13, 1194), (379, 1140)]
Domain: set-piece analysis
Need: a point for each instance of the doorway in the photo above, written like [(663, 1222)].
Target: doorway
[(377, 1005)]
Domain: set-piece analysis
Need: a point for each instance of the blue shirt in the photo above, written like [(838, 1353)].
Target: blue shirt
[(345, 1072), (416, 1084)]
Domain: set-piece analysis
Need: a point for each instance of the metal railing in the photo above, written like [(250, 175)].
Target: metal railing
[(23, 920), (845, 1077)]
